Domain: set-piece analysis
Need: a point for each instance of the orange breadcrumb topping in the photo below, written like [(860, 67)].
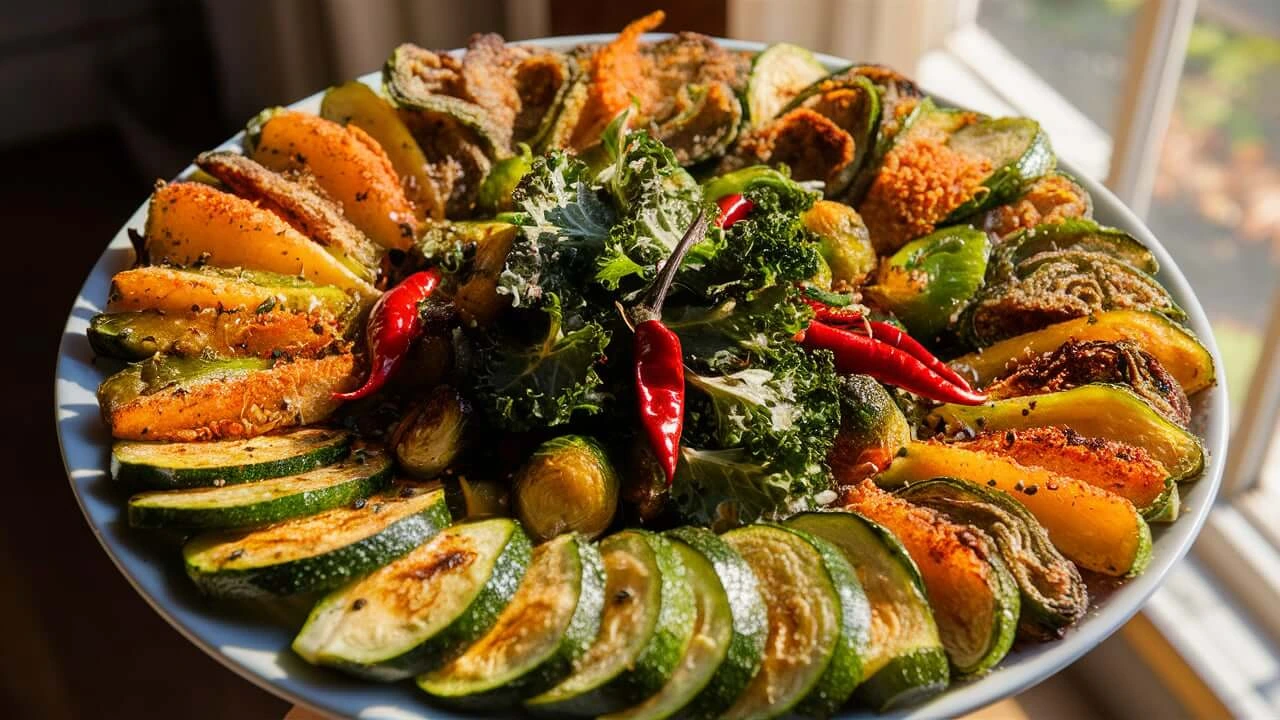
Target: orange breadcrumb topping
[(921, 181), (618, 71), (1050, 200)]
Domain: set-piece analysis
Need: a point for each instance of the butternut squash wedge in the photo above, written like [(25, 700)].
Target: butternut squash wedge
[(1110, 412), (179, 290), (349, 165), (193, 223), (1125, 470), (975, 599), (1175, 346), (1096, 529)]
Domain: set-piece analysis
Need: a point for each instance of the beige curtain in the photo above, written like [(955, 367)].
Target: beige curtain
[(274, 51)]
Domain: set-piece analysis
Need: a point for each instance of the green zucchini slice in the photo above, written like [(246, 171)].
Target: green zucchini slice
[(819, 623), (1073, 234), (318, 552), (422, 610), (852, 102), (645, 628), (1054, 595), (225, 462), (265, 501), (404, 77), (1111, 412), (905, 662), (728, 635), (778, 74), (1019, 153), (552, 620)]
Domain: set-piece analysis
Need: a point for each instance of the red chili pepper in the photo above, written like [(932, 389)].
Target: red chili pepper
[(732, 209), (853, 320), (660, 361), (394, 323), (862, 354)]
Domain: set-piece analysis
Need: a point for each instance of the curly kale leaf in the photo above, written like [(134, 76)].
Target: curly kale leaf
[(756, 440), (657, 201), (564, 223), (769, 247), (544, 383), (732, 333)]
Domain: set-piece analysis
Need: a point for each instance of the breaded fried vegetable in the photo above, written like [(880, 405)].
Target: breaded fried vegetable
[(1055, 286), (355, 103), (349, 165), (1077, 235), (1076, 363), (1096, 529), (193, 223), (189, 399), (139, 335), (974, 598), (1173, 345), (178, 290), (1053, 594), (706, 122), (811, 145), (308, 211), (617, 71), (1126, 470), (1052, 199)]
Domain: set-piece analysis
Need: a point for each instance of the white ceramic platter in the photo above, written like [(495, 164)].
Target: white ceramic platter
[(255, 643)]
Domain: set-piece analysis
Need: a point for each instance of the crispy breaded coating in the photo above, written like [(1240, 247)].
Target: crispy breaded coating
[(1128, 471), (1051, 199), (812, 145), (618, 71), (919, 183)]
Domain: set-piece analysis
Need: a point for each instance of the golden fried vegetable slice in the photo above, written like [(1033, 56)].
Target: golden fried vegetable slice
[(139, 335), (617, 71), (1123, 469), (355, 103), (193, 399), (974, 598), (1077, 363), (1052, 199), (812, 145), (1173, 345), (1096, 529), (351, 167), (178, 290), (193, 223), (308, 211)]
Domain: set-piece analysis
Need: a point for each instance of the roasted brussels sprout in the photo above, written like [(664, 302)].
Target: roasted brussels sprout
[(568, 485), (929, 279), (494, 195), (471, 498), (843, 241), (432, 434), (1077, 363), (872, 430), (1060, 285)]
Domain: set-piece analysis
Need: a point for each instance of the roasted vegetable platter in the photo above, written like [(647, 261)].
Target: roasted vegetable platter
[(788, 390)]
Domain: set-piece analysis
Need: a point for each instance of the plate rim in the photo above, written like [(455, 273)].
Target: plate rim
[(1044, 661)]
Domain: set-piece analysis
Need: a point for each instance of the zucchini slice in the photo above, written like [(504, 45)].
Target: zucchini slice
[(406, 80), (1054, 595), (363, 473), (420, 611), (1174, 346), (1073, 234), (819, 624), (139, 335), (728, 635), (974, 598), (905, 661), (318, 552), (1019, 153), (645, 629), (778, 74), (1098, 530), (552, 620), (225, 462), (1100, 410), (852, 102), (180, 290)]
